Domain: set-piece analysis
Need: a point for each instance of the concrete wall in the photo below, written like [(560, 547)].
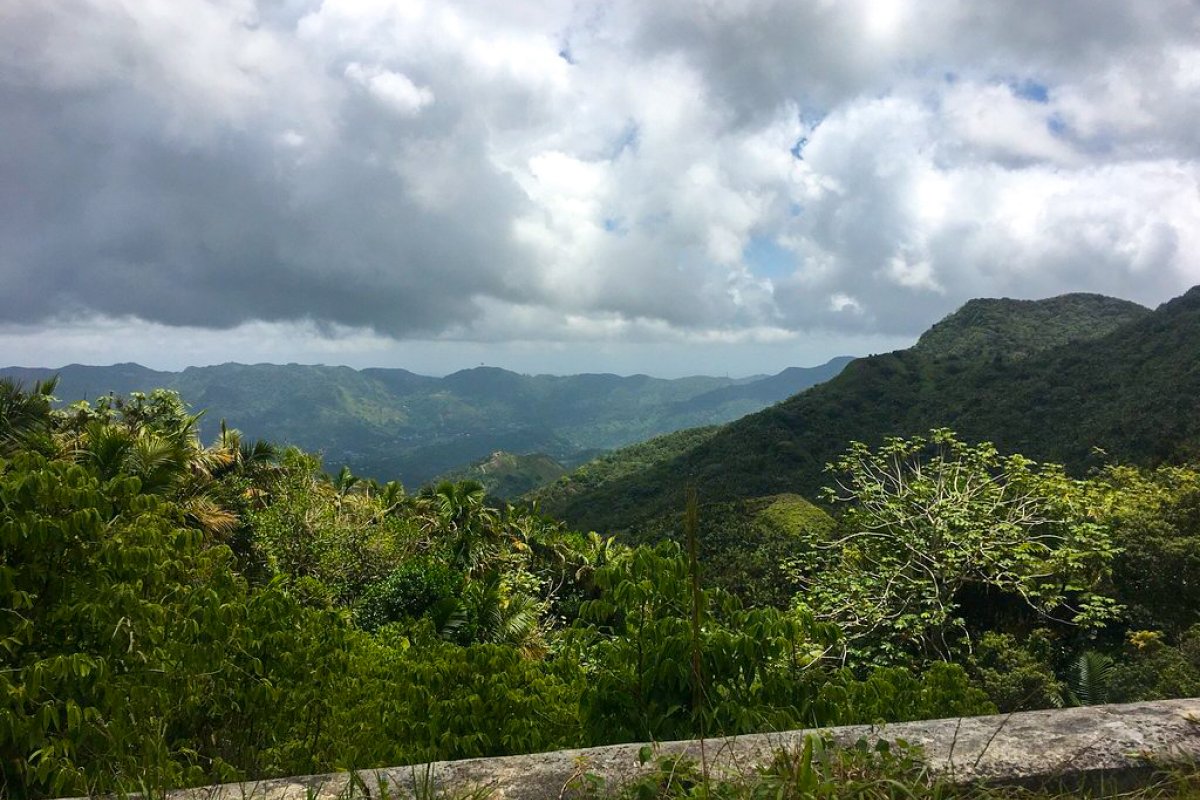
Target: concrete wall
[(1114, 742)]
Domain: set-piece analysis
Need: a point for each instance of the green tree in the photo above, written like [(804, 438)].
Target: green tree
[(1017, 675), (415, 698), (153, 438), (924, 520), (1155, 516), (1152, 669), (308, 530), (458, 513)]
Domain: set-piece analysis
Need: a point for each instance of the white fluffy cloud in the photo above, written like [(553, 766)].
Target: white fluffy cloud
[(746, 172), (393, 89)]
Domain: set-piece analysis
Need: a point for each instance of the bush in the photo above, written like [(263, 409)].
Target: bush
[(1154, 670), (403, 704), (407, 593), (1016, 677)]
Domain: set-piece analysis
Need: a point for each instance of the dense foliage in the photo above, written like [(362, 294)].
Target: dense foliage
[(623, 467), (747, 546), (178, 613), (928, 522)]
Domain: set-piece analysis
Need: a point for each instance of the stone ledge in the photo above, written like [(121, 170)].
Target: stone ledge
[(1071, 746)]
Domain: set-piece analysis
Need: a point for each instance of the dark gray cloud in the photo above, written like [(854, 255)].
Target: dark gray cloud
[(429, 170), (112, 206)]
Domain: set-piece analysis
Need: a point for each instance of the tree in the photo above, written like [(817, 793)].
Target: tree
[(926, 520), (639, 639), (1155, 516), (25, 416), (459, 514), (152, 438), (131, 651), (306, 533)]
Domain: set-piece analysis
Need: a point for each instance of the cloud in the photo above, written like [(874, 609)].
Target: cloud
[(671, 171), (393, 89)]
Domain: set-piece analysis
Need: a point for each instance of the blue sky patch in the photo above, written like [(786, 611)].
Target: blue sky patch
[(767, 259), (628, 140), (1030, 89)]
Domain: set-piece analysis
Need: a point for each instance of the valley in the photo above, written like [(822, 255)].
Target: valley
[(392, 424)]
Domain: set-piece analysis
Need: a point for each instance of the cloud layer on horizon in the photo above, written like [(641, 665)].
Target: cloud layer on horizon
[(734, 172)]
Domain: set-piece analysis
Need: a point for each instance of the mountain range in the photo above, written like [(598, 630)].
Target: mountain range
[(395, 424), (1080, 380)]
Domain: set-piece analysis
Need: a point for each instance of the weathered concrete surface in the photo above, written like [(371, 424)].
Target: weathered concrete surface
[(1071, 745)]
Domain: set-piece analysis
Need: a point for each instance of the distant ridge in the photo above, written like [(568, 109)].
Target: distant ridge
[(79, 381), (770, 389), (396, 424)]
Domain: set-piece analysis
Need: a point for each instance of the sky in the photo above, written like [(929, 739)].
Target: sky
[(670, 187)]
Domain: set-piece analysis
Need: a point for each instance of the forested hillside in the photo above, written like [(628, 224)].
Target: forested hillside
[(1129, 393), (396, 425)]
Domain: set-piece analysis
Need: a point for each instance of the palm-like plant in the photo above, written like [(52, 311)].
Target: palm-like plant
[(161, 463), (1090, 679), (345, 481), (459, 512), (155, 440), (507, 615), (243, 456), (25, 415), (246, 468), (391, 497), (597, 552), (385, 500)]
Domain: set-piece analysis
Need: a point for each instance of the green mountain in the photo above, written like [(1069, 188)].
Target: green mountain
[(507, 475), (765, 391), (1132, 390), (394, 424), (1016, 328)]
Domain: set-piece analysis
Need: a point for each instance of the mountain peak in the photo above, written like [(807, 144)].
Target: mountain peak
[(987, 327), (1186, 301)]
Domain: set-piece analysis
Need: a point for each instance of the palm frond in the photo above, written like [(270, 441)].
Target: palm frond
[(1090, 679), (448, 616), (158, 461), (24, 414), (105, 446), (209, 516)]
